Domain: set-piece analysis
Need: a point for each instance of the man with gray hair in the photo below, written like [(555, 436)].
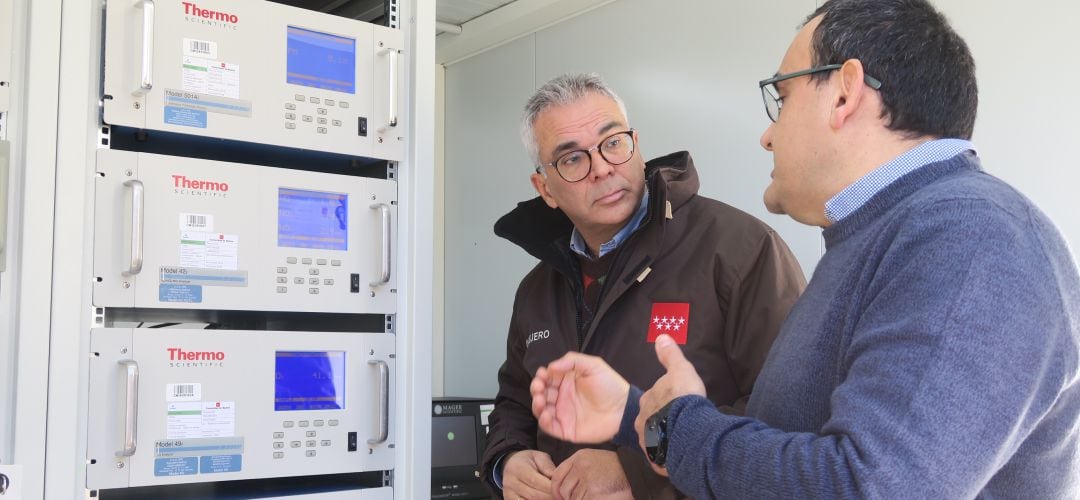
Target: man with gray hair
[(628, 250)]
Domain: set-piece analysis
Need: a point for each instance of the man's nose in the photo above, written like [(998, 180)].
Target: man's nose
[(766, 138), (600, 166)]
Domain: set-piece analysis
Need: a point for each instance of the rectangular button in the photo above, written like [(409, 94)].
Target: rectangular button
[(290, 260), (329, 102), (282, 279), (328, 281), (306, 118), (306, 260), (290, 125), (321, 262), (321, 130), (333, 423), (321, 121), (298, 281), (279, 435), (294, 444), (335, 262), (313, 272), (313, 281), (309, 453), (321, 111), (290, 105), (290, 116), (278, 445), (278, 454), (309, 434), (299, 97), (337, 123), (282, 289), (303, 423), (314, 100), (325, 442), (310, 443), (318, 423), (286, 424), (343, 104), (313, 291), (282, 270)]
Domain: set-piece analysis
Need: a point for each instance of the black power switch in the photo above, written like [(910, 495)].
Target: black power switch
[(354, 285), (361, 126), (352, 441)]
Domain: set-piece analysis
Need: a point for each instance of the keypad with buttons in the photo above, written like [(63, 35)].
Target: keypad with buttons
[(311, 274), (323, 112)]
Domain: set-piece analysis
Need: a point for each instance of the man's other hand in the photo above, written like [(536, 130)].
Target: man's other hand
[(527, 474), (579, 398), (591, 474)]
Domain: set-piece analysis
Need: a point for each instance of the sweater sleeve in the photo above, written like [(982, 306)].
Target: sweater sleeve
[(768, 281), (512, 424), (953, 358)]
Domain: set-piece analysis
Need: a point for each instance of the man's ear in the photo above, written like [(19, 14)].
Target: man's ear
[(540, 184), (852, 93)]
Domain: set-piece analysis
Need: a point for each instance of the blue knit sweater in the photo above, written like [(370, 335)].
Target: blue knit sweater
[(934, 354)]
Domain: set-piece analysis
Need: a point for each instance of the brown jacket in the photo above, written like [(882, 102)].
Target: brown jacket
[(739, 278)]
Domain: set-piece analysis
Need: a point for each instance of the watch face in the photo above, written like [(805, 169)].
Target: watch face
[(655, 439)]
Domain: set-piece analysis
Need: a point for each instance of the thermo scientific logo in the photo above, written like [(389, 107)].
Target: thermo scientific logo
[(181, 358), (199, 187), (192, 10)]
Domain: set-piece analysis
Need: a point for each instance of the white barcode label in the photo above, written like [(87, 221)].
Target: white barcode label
[(197, 222), (200, 48), (183, 392)]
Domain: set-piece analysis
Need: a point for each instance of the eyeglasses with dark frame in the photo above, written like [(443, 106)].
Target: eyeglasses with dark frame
[(773, 102), (574, 166)]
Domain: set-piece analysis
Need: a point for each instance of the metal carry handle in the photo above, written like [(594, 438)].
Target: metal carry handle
[(138, 207), (391, 58), (384, 217), (131, 408), (384, 401), (146, 81)]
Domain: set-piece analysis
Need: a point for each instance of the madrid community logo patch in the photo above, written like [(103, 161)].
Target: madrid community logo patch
[(672, 318)]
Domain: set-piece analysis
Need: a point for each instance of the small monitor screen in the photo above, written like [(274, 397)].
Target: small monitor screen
[(321, 60), (453, 441), (306, 380), (313, 219)]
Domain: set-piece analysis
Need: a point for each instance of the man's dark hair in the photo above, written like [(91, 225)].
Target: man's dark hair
[(926, 70)]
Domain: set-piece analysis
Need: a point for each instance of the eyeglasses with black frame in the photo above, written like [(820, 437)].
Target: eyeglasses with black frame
[(574, 166), (771, 96)]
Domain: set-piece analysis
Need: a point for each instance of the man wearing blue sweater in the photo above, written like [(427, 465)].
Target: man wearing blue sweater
[(935, 351)]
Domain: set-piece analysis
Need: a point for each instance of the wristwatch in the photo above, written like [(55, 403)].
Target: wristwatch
[(656, 436)]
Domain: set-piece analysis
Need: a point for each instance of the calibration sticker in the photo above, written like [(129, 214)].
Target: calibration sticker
[(200, 249), (200, 437), (186, 457)]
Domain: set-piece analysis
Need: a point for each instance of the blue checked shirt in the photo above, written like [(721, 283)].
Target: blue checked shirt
[(577, 243), (849, 200)]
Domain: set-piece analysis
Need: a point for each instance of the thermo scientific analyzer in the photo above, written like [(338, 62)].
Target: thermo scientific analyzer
[(185, 233), (255, 71), (187, 406)]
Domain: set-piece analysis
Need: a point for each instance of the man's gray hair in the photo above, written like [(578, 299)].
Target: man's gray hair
[(560, 91)]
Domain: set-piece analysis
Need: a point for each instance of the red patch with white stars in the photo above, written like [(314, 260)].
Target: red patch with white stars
[(671, 318)]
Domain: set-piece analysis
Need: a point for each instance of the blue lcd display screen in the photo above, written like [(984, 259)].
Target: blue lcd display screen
[(321, 60), (309, 380), (313, 219)]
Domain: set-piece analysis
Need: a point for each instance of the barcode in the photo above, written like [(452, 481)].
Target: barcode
[(196, 221), (183, 390), (200, 47)]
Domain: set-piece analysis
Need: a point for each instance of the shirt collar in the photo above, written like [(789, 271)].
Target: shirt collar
[(851, 198), (577, 242)]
